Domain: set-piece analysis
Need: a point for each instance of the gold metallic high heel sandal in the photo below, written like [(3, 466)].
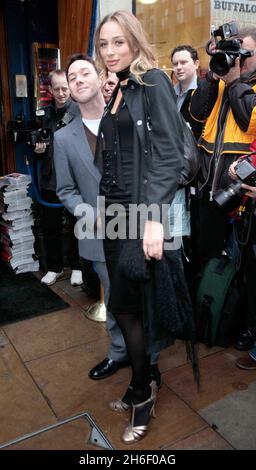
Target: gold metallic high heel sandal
[(120, 405), (136, 433), (154, 390)]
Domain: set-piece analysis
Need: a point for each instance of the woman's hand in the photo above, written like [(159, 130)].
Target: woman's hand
[(153, 240), (40, 147)]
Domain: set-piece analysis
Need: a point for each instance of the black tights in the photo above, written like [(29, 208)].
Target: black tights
[(132, 328)]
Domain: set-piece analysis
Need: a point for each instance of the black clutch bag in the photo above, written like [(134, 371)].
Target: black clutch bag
[(132, 262)]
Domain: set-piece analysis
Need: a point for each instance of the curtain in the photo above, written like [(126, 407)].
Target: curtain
[(74, 17)]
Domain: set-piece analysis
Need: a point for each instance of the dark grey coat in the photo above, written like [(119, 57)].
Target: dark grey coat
[(157, 164), (78, 182), (156, 170)]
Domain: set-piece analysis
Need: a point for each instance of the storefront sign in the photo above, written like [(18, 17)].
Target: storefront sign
[(244, 12)]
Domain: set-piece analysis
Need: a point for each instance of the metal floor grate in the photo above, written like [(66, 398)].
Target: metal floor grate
[(96, 437)]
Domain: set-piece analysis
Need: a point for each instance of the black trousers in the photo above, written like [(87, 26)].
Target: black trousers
[(213, 230), (249, 271), (52, 223)]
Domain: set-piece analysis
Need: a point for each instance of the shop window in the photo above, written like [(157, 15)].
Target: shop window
[(164, 23), (172, 22), (198, 8), (180, 13), (152, 25), (46, 59)]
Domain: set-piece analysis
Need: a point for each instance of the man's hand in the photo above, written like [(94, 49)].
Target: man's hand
[(251, 190), (232, 171), (40, 147), (211, 46), (233, 74), (153, 240)]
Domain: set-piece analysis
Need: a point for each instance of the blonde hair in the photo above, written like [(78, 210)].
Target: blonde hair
[(136, 38)]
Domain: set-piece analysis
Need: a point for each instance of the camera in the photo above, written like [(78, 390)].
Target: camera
[(246, 172), (40, 136), (226, 49), (226, 30)]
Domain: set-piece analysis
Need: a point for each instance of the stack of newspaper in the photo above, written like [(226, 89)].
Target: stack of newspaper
[(16, 221)]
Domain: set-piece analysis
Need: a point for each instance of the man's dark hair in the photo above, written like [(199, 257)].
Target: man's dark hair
[(185, 47), (79, 56)]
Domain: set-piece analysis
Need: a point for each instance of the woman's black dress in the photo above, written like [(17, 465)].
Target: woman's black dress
[(115, 186)]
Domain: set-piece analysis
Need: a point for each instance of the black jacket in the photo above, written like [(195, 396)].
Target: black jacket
[(158, 163), (53, 119), (196, 126), (229, 116)]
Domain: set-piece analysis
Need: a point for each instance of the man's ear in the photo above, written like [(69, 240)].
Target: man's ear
[(197, 63), (50, 90)]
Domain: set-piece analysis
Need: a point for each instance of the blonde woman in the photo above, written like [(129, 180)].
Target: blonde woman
[(134, 171)]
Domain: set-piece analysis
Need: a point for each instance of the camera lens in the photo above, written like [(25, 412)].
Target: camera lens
[(230, 197), (221, 63), (45, 133)]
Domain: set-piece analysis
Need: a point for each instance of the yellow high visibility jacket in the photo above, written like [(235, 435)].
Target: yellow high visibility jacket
[(234, 139)]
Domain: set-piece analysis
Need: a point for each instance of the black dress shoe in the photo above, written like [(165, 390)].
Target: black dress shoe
[(246, 340), (106, 368), (155, 375)]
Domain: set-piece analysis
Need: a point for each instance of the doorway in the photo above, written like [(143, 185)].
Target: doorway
[(7, 153)]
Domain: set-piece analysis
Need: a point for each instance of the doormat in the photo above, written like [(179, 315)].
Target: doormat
[(22, 296)]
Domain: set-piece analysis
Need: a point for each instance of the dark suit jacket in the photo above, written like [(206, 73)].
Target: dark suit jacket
[(196, 126)]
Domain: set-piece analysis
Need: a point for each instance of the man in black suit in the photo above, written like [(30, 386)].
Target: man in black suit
[(59, 113), (185, 64)]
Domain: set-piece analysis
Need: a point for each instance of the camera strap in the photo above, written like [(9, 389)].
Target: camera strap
[(245, 223), (253, 159), (66, 119)]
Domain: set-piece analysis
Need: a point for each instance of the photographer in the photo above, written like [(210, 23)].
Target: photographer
[(246, 230), (227, 106), (59, 113)]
